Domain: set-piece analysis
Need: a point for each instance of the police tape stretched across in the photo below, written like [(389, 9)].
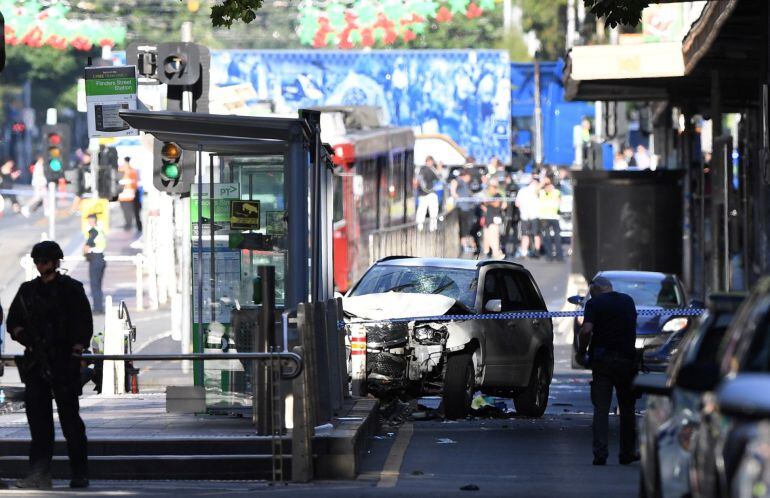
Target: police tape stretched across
[(516, 315)]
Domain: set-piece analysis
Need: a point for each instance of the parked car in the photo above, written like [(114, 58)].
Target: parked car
[(655, 334), (752, 478), (746, 400), (673, 406), (455, 358), (721, 438)]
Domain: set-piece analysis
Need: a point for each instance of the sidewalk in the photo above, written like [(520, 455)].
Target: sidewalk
[(133, 437)]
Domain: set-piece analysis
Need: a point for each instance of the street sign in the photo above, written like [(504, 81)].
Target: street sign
[(108, 90), (244, 215), (223, 194)]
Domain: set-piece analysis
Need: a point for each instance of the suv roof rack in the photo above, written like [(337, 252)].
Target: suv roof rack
[(388, 258), (498, 261)]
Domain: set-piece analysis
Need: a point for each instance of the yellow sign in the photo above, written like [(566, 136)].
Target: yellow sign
[(99, 207), (244, 215)]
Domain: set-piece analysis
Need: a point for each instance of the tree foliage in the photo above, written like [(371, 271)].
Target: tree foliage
[(617, 12), (547, 20)]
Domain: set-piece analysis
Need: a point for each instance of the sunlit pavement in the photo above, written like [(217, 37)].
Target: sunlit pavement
[(550, 456)]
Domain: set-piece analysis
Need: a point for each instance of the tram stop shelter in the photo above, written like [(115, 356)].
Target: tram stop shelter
[(278, 174)]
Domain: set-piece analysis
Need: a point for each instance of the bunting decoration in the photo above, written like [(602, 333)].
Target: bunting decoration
[(35, 25), (366, 23)]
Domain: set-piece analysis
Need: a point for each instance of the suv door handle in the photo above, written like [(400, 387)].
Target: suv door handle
[(536, 323)]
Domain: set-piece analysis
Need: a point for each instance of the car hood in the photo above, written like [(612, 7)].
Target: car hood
[(396, 305)]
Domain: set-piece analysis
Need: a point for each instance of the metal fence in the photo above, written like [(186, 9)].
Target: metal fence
[(408, 240)]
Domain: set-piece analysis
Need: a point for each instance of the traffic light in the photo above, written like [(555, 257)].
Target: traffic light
[(107, 174), (173, 169), (57, 145), (178, 63)]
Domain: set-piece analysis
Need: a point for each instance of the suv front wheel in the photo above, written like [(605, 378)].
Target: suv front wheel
[(459, 385)]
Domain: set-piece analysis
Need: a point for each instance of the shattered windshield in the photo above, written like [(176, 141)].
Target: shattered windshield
[(457, 284)]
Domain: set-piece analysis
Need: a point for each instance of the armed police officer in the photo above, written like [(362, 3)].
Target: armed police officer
[(609, 334), (51, 317)]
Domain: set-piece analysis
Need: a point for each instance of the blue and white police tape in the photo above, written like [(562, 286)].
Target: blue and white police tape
[(518, 315)]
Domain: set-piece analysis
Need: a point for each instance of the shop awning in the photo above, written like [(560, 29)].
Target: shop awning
[(726, 37)]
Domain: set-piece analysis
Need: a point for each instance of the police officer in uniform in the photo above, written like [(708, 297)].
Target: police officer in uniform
[(51, 317), (608, 336), (94, 252)]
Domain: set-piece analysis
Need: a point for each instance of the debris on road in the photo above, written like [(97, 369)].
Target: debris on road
[(469, 487)]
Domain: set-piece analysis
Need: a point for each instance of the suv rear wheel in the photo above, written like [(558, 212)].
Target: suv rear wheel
[(534, 399), (459, 385)]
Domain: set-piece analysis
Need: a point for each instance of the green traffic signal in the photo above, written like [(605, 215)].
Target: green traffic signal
[(170, 171), (55, 165)]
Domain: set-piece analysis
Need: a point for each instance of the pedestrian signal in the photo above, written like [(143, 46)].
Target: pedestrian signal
[(56, 151)]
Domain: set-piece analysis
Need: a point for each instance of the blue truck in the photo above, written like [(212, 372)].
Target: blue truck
[(559, 116)]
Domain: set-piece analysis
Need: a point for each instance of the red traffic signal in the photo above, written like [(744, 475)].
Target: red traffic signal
[(54, 139)]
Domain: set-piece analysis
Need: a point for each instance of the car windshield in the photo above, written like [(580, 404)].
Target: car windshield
[(450, 282), (662, 292)]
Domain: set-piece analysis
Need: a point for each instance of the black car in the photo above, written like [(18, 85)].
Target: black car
[(658, 335)]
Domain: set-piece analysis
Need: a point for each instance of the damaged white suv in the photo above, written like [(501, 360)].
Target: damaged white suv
[(503, 357)]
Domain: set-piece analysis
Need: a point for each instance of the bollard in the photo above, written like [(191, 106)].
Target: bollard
[(358, 360), (139, 282), (264, 341)]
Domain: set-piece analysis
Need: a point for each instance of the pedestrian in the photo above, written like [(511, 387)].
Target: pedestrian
[(93, 250), (129, 197), (549, 200), (620, 162), (628, 155), (50, 316), (528, 203), (3, 484), (39, 189), (463, 201), (439, 186), (642, 157), (427, 199), (8, 175), (493, 208), (607, 338)]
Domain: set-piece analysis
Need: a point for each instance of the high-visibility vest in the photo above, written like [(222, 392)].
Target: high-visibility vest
[(548, 204), (100, 241)]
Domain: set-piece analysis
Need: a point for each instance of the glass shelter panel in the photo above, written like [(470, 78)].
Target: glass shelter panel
[(247, 230)]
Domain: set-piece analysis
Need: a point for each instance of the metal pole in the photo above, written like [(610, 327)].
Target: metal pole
[(139, 282), (262, 400), (212, 261), (51, 211), (726, 211), (571, 23), (538, 117), (199, 370)]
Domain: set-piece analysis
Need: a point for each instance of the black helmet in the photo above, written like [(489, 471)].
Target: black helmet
[(48, 250)]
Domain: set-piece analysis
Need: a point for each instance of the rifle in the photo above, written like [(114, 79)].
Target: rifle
[(35, 355)]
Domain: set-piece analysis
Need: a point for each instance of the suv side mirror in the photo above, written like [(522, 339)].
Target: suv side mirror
[(699, 377), (494, 306), (576, 300), (746, 395)]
